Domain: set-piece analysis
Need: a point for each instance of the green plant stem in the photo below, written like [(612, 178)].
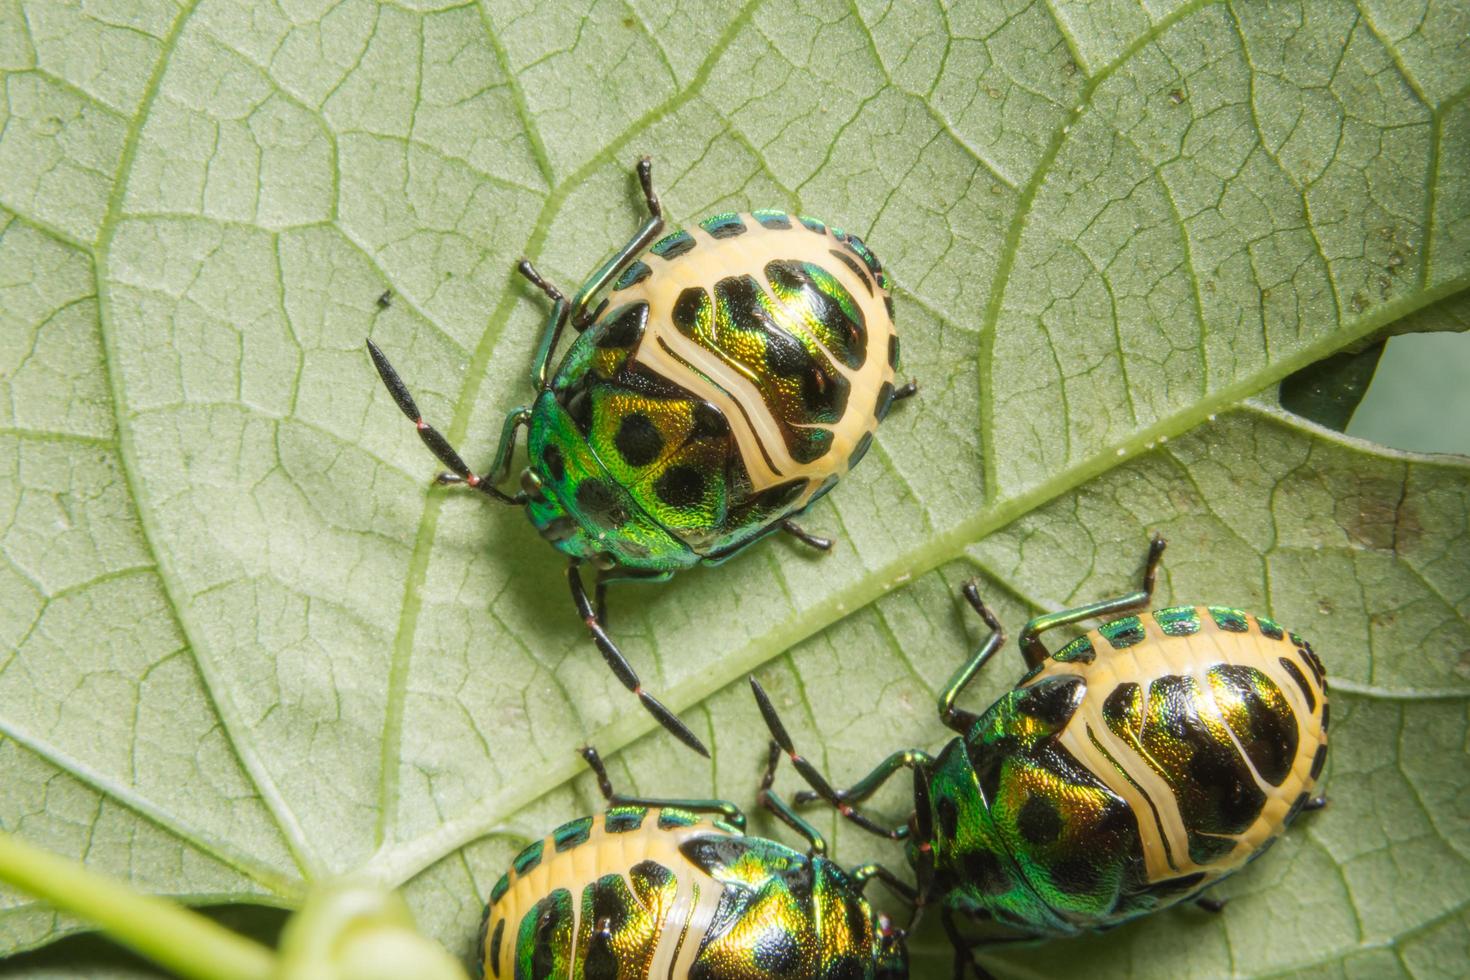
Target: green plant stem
[(168, 934)]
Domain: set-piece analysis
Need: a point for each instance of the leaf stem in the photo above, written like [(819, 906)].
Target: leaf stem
[(168, 934)]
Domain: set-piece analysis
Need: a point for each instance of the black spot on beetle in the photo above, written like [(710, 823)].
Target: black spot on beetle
[(714, 852), (680, 486), (556, 466), (1296, 807), (495, 942), (622, 331), (691, 307), (602, 960), (709, 422), (578, 403), (1039, 821), (984, 871), (638, 440), (776, 953), (885, 401), (1077, 876), (553, 915), (1051, 701), (1301, 682), (599, 503), (949, 817), (857, 270)]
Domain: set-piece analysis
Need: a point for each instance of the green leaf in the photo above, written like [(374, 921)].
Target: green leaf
[(246, 646)]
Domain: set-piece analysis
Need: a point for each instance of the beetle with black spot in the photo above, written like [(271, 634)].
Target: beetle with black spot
[(726, 376), (1128, 771)]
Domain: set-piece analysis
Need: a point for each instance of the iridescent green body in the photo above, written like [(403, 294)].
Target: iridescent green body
[(644, 892), (726, 376), (1137, 766), (733, 373), (1131, 769)]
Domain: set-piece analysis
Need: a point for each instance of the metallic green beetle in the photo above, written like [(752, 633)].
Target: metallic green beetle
[(1132, 769), (676, 890), (726, 376)]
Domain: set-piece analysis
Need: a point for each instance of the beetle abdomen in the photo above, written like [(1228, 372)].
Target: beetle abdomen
[(1209, 724), (737, 370), (639, 893), (609, 895)]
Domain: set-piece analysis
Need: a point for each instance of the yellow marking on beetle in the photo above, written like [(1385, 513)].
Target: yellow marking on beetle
[(683, 924), (1159, 655), (670, 354)]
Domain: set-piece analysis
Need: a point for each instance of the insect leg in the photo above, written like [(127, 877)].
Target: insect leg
[(809, 772), (431, 436), (869, 784), (869, 872), (622, 669), (583, 311), (964, 954), (813, 540), (772, 801), (728, 811), (1035, 652), (906, 390), (958, 718), (555, 323), (500, 468), (607, 576)]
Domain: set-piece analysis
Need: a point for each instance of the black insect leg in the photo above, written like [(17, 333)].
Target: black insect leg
[(958, 718), (1035, 652), (813, 540), (964, 949), (583, 310), (726, 810), (921, 826), (809, 772), (623, 670), (906, 390), (435, 440), (772, 801), (1212, 905)]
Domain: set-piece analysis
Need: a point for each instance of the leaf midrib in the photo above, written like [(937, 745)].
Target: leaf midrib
[(397, 864)]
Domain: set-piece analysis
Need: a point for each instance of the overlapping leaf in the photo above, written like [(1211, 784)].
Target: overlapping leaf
[(246, 647)]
